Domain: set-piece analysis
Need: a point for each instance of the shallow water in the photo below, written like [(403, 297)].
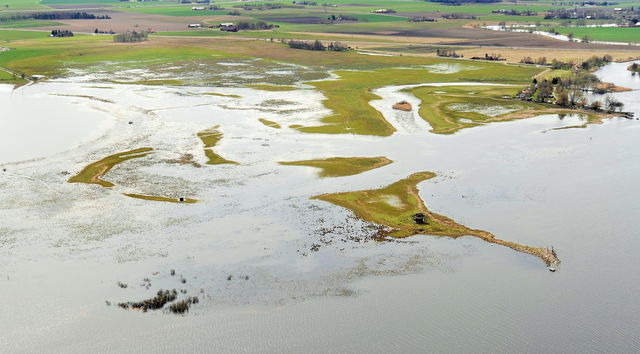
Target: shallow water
[(34, 124), (573, 189)]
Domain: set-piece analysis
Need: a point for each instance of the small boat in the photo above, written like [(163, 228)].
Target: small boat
[(552, 269)]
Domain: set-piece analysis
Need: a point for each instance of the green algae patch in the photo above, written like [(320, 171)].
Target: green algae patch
[(161, 199), (342, 166), (396, 206), (269, 123), (272, 87), (94, 172), (210, 138)]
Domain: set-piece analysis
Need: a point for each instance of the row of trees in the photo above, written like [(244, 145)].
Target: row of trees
[(529, 60), (421, 19), (68, 16), (447, 53), (593, 62), (55, 16), (569, 92), (260, 25), (61, 33), (341, 17), (317, 45)]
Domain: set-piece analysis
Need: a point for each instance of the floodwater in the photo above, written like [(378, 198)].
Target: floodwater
[(30, 128), (64, 246)]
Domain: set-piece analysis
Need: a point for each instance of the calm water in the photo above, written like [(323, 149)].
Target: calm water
[(575, 189), (30, 128)]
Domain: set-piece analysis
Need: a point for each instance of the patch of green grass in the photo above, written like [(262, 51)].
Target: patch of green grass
[(15, 35), (272, 87), (394, 207), (94, 172), (269, 123), (342, 166), (13, 5), (29, 23), (210, 138), (217, 94), (50, 56)]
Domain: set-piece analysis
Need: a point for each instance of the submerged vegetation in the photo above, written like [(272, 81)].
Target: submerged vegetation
[(400, 208), (94, 172), (342, 166)]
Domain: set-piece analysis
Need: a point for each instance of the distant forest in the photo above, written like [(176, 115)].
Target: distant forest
[(56, 16)]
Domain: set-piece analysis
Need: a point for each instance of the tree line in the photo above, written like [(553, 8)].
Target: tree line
[(317, 45), (569, 92), (61, 33), (55, 16)]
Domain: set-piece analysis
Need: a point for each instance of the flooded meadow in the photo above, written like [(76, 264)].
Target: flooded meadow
[(274, 269)]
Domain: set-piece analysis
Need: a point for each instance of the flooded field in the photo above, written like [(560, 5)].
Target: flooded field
[(275, 270)]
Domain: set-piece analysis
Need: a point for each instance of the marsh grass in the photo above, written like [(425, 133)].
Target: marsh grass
[(269, 123), (94, 172), (210, 138), (342, 166)]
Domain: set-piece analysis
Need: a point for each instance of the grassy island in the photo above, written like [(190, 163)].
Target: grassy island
[(210, 138), (94, 172), (397, 205), (342, 166)]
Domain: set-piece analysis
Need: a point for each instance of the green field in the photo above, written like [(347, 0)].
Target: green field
[(12, 5), (14, 35), (611, 34), (29, 24)]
